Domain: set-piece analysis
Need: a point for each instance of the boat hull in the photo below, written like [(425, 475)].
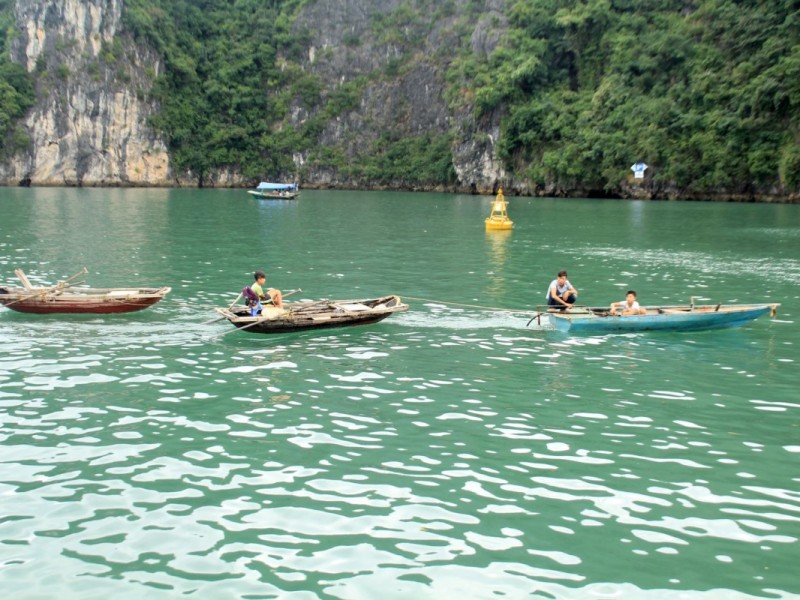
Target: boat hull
[(305, 316), (292, 326), (273, 195), (701, 318), (81, 302)]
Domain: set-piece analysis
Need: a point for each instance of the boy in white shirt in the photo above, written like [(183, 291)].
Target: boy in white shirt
[(629, 306)]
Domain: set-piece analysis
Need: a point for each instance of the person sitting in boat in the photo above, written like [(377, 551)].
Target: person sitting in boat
[(561, 294), (251, 301), (629, 306), (271, 296)]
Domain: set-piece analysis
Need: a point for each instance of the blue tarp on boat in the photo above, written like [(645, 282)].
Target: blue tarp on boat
[(266, 186)]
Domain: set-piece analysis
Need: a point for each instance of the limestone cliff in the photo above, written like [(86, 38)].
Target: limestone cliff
[(396, 62), (409, 100), (88, 126)]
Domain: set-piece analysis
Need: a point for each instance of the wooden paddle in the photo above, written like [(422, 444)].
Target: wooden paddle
[(538, 317), (210, 321), (23, 278), (555, 308), (39, 292), (256, 322), (27, 284), (215, 320)]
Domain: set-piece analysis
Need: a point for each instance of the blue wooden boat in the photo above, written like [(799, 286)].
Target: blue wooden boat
[(659, 318), (275, 191)]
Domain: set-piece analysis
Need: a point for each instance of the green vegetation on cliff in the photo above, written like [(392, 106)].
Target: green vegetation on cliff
[(706, 92), (233, 73), (221, 95), (16, 90)]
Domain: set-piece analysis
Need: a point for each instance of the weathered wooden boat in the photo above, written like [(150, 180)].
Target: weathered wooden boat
[(63, 298), (659, 318), (321, 314), (275, 191)]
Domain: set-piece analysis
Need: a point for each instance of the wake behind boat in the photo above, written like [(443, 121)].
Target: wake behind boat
[(659, 318), (63, 298), (275, 191), (322, 314)]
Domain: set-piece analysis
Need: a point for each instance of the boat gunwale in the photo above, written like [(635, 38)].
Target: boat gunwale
[(656, 311), (310, 315), (17, 294), (679, 318)]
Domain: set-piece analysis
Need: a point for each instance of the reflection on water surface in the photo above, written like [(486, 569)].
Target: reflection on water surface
[(447, 452)]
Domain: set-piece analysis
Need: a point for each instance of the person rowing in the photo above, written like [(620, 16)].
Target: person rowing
[(255, 294)]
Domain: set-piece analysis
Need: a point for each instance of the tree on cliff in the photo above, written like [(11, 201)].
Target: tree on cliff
[(707, 93), (16, 91), (220, 96)]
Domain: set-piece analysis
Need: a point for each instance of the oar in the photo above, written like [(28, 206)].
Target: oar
[(290, 292), (256, 322), (38, 293), (235, 301), (23, 278), (210, 321), (287, 294), (61, 284), (83, 271), (66, 282), (538, 316), (556, 308)]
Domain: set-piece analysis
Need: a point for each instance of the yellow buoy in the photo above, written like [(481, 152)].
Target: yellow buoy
[(498, 218)]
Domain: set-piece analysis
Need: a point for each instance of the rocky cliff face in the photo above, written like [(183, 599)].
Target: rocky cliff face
[(89, 124), (406, 89)]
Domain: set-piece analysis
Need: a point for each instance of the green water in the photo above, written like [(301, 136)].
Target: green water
[(447, 452)]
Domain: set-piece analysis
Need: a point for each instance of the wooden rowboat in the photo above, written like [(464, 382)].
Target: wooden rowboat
[(63, 298), (80, 300), (322, 314), (659, 318)]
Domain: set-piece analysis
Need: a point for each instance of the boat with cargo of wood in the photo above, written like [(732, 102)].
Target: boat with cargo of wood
[(64, 298), (658, 318), (307, 315)]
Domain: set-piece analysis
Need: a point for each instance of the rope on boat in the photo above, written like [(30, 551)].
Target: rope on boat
[(495, 308)]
